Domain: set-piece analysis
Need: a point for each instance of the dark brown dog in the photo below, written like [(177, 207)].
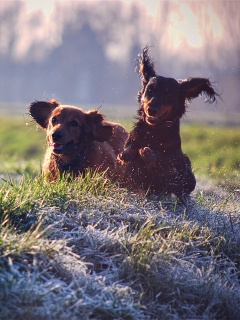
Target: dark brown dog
[(153, 158), (77, 140)]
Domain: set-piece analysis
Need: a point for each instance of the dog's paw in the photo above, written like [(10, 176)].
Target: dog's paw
[(147, 155), (127, 155)]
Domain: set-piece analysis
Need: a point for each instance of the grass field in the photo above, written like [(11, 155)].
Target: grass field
[(213, 150), (92, 250)]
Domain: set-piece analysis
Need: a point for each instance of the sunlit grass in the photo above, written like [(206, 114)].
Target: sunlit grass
[(214, 150), (88, 249), (20, 138)]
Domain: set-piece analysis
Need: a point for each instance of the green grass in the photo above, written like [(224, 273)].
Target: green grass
[(20, 137), (88, 249), (214, 150), (91, 250)]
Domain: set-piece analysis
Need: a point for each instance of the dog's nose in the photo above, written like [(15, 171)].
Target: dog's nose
[(152, 110), (56, 136)]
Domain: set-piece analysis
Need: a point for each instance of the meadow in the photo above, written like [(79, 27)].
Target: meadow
[(93, 250)]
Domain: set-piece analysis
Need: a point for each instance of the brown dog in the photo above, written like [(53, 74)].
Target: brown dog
[(77, 140), (153, 157)]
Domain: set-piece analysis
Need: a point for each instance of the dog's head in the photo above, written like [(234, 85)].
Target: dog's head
[(69, 127), (164, 99)]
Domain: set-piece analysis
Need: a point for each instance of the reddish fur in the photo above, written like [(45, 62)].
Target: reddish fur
[(152, 158), (77, 140)]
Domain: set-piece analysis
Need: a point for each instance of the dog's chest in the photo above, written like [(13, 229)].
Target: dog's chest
[(153, 139), (164, 139)]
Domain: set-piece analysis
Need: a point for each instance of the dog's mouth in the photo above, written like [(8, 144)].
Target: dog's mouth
[(160, 117), (152, 120), (60, 148)]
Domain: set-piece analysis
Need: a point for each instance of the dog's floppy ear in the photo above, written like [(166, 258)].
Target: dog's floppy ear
[(96, 128), (192, 87), (41, 111), (146, 66)]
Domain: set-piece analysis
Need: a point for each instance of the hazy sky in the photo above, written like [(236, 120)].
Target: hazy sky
[(189, 25), (202, 34), (48, 5), (184, 24)]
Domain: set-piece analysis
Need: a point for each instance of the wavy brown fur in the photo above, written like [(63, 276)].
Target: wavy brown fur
[(153, 159), (77, 140)]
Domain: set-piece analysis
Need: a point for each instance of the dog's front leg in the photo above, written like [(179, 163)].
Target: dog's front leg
[(128, 154), (148, 156)]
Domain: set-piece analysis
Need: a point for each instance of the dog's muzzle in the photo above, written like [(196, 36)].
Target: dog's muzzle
[(60, 148)]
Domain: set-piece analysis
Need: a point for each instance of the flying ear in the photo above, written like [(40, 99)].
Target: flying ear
[(96, 128), (145, 66), (41, 111), (192, 87)]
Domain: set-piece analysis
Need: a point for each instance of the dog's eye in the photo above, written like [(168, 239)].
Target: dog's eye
[(73, 123), (149, 91), (54, 120)]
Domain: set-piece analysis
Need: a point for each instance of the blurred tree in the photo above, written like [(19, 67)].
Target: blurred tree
[(84, 52)]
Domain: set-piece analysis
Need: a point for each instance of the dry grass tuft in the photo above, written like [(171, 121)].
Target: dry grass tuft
[(91, 250)]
